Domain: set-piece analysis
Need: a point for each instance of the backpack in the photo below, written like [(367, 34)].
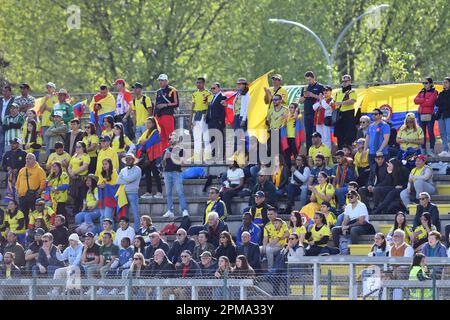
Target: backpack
[(169, 229)]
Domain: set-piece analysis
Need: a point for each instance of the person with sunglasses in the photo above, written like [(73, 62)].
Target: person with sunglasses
[(181, 244), (426, 100), (276, 118), (364, 123), (345, 99), (47, 262), (377, 138), (294, 248)]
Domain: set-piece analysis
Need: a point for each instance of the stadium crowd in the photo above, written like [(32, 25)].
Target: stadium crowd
[(66, 182)]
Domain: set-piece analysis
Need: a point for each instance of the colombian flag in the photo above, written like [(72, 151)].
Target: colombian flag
[(107, 196), (283, 138), (122, 202), (78, 109), (108, 108), (299, 134), (152, 146)]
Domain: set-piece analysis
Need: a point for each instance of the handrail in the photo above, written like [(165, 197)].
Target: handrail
[(362, 260)]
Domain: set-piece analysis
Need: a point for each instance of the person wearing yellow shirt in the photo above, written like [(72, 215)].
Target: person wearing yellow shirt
[(14, 221), (345, 129), (58, 181), (422, 231), (400, 223), (91, 140), (32, 140), (318, 147), (318, 236), (120, 142), (108, 176), (141, 108), (331, 218), (107, 227), (291, 120), (90, 210), (44, 212), (296, 226), (276, 89), (78, 170), (46, 110), (410, 134), (361, 162), (200, 101), (323, 191), (59, 155), (276, 233), (106, 152), (31, 115), (108, 125)]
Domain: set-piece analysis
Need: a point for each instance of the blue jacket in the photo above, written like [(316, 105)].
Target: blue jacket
[(253, 255), (126, 257), (255, 234), (439, 251)]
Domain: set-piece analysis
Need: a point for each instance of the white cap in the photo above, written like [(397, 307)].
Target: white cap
[(58, 113), (74, 237), (163, 77), (51, 84)]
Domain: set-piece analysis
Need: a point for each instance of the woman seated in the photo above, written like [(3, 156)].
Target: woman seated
[(280, 177), (331, 218), (14, 221), (380, 247), (400, 223), (324, 191), (296, 226), (410, 135), (90, 211), (242, 270), (422, 231), (232, 185), (226, 247), (298, 182), (362, 163), (318, 236)]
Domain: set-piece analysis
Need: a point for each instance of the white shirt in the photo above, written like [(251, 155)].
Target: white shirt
[(120, 234), (323, 103), (234, 176), (359, 211), (121, 104)]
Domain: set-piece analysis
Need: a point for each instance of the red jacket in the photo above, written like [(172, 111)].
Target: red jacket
[(426, 101)]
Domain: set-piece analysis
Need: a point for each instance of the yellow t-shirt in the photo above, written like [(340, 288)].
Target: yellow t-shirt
[(415, 172), (283, 93), (109, 133), (46, 120), (352, 96), (14, 222), (408, 233), (103, 154), (328, 190), (47, 215), (298, 231), (100, 236), (56, 157), (409, 134), (322, 149), (322, 232), (92, 139), (114, 178), (276, 118), (91, 199), (290, 126), (115, 145), (141, 111), (331, 219), (361, 162), (26, 141), (198, 99), (62, 181), (271, 233), (77, 162), (423, 232)]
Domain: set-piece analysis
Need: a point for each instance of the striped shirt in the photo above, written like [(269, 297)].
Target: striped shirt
[(15, 132)]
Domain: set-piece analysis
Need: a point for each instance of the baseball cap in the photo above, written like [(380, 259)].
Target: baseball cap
[(74, 237), (108, 220), (422, 157), (62, 91), (379, 154), (14, 105), (24, 85), (137, 85), (58, 114), (16, 140), (119, 81), (40, 201), (260, 194), (89, 235), (39, 232), (105, 138), (163, 76), (206, 254), (316, 135), (51, 84), (277, 76), (352, 193), (241, 81)]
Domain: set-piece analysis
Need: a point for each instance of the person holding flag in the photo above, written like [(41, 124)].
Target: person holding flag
[(166, 102), (123, 106), (276, 89), (107, 189), (103, 104)]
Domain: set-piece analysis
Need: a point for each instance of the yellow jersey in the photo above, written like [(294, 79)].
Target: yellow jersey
[(298, 231), (14, 222), (317, 235), (141, 107), (200, 100), (89, 141), (78, 161), (276, 118), (47, 121), (422, 232), (282, 92), (361, 162), (59, 157), (410, 134), (59, 188), (115, 145), (327, 190), (270, 232), (92, 198), (340, 96), (104, 154), (48, 215), (114, 178), (323, 150), (109, 133)]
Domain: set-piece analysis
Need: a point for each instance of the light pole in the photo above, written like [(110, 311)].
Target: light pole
[(330, 59)]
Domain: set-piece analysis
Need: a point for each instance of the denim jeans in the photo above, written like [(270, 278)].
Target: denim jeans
[(2, 144), (444, 129), (340, 195), (87, 216), (133, 202), (171, 180), (140, 131), (46, 141), (429, 125), (106, 212)]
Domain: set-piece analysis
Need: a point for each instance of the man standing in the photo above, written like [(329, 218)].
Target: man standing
[(130, 177), (141, 108), (215, 118), (443, 115), (240, 108), (276, 89), (5, 102), (46, 109), (73, 136), (200, 101), (56, 132), (12, 125), (345, 128), (309, 96), (377, 137), (63, 107), (12, 162), (24, 101), (166, 102), (30, 183), (123, 106), (172, 159), (276, 118)]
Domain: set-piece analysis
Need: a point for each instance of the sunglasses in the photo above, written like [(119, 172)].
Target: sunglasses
[(179, 234), (185, 256), (362, 122), (425, 83), (423, 198), (350, 197), (45, 241), (276, 99), (137, 258)]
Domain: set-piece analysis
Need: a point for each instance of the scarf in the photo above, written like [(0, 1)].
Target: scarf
[(340, 176)]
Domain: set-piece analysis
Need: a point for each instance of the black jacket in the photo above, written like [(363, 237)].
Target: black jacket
[(228, 251), (379, 176), (434, 212), (253, 255), (60, 236), (210, 271), (174, 254), (214, 235), (150, 250), (78, 137), (15, 272), (14, 160), (194, 270), (269, 189), (164, 270), (443, 104), (215, 115)]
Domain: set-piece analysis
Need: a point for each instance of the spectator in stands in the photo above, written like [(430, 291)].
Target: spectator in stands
[(123, 231), (12, 124), (443, 116), (250, 250), (216, 204), (224, 268), (32, 252), (296, 226), (378, 178), (248, 226), (188, 268), (139, 244), (242, 270), (165, 104), (14, 221), (319, 166), (426, 99), (160, 267), (356, 220), (108, 254), (63, 107), (400, 223), (226, 247), (322, 118), (419, 272), (410, 135), (108, 177), (276, 118), (106, 152), (343, 173), (149, 162), (90, 210), (38, 224), (200, 101), (362, 167), (308, 97), (294, 248), (5, 103), (380, 247), (291, 120), (323, 191), (240, 108), (280, 177), (74, 136), (120, 143), (16, 248), (331, 218), (58, 155), (78, 170), (107, 225), (426, 205), (58, 181), (259, 210), (434, 247), (345, 101), (123, 106), (420, 180), (141, 108), (232, 185), (12, 162), (203, 245), (298, 183), (26, 186), (90, 257), (214, 227), (422, 231), (399, 247), (155, 243), (387, 197), (9, 270), (275, 235), (215, 118), (377, 137), (42, 211), (137, 266), (108, 125), (47, 262), (32, 141), (60, 233), (207, 264), (90, 139), (146, 228), (25, 100), (265, 185), (130, 177), (364, 123), (122, 262), (57, 131), (172, 158), (319, 148), (181, 244), (318, 236)]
